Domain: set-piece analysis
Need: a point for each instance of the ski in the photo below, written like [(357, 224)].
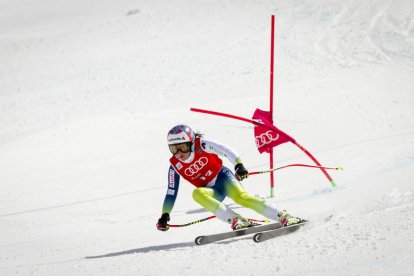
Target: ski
[(270, 234), (201, 240)]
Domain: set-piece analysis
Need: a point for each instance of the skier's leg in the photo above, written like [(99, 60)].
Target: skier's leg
[(231, 187), (211, 199), (236, 192)]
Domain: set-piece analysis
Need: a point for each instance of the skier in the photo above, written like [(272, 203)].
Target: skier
[(197, 160)]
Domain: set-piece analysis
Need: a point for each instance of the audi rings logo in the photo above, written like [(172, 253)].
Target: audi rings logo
[(266, 138), (196, 166)]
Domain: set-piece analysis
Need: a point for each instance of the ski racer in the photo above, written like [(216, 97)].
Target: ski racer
[(197, 160)]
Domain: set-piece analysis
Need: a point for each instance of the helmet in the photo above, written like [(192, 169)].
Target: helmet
[(180, 134)]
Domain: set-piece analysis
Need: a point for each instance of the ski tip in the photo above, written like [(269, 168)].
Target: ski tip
[(257, 237), (199, 240), (302, 222)]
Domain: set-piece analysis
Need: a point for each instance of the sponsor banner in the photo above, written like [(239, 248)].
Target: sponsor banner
[(171, 180), (196, 166)]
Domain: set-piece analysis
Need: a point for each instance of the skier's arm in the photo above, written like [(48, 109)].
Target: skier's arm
[(229, 153), (221, 150), (169, 200), (172, 190)]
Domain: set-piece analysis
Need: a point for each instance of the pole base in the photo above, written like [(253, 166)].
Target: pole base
[(272, 192)]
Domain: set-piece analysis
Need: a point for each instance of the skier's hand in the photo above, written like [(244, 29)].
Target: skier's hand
[(162, 224), (241, 172)]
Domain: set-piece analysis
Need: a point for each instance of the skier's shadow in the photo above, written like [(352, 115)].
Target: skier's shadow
[(148, 249)]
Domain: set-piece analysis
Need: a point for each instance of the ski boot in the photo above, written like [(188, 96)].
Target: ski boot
[(287, 220), (240, 223)]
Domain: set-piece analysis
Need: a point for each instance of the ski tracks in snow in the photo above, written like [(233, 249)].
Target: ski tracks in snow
[(385, 34), (392, 31)]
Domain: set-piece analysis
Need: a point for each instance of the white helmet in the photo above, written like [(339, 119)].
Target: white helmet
[(180, 134)]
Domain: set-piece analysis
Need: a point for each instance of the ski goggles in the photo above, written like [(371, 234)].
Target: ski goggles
[(183, 147)]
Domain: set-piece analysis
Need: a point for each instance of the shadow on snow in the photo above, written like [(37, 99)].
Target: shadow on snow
[(145, 250)]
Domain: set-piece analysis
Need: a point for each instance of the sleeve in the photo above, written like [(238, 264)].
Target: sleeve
[(221, 150), (172, 190)]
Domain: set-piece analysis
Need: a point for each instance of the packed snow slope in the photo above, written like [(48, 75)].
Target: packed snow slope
[(89, 89)]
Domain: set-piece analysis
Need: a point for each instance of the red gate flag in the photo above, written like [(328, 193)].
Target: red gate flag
[(266, 134), (275, 132)]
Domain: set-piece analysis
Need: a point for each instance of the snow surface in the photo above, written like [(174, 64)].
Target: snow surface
[(88, 90)]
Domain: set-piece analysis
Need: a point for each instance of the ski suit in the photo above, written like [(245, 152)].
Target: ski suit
[(213, 181)]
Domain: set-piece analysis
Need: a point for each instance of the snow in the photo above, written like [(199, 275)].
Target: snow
[(89, 89)]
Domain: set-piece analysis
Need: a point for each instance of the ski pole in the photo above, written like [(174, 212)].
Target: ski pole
[(191, 223), (211, 217), (297, 165)]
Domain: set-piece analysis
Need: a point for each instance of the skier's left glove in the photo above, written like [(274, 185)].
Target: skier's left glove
[(162, 224), (241, 172)]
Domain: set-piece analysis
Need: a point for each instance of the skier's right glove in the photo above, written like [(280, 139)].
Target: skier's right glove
[(162, 224)]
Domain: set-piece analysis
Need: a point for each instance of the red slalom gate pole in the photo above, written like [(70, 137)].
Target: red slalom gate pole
[(272, 56), (317, 163)]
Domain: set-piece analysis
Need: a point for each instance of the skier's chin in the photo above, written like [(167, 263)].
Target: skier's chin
[(183, 157)]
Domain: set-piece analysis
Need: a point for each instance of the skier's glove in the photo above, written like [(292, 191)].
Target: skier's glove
[(162, 224), (241, 172)]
